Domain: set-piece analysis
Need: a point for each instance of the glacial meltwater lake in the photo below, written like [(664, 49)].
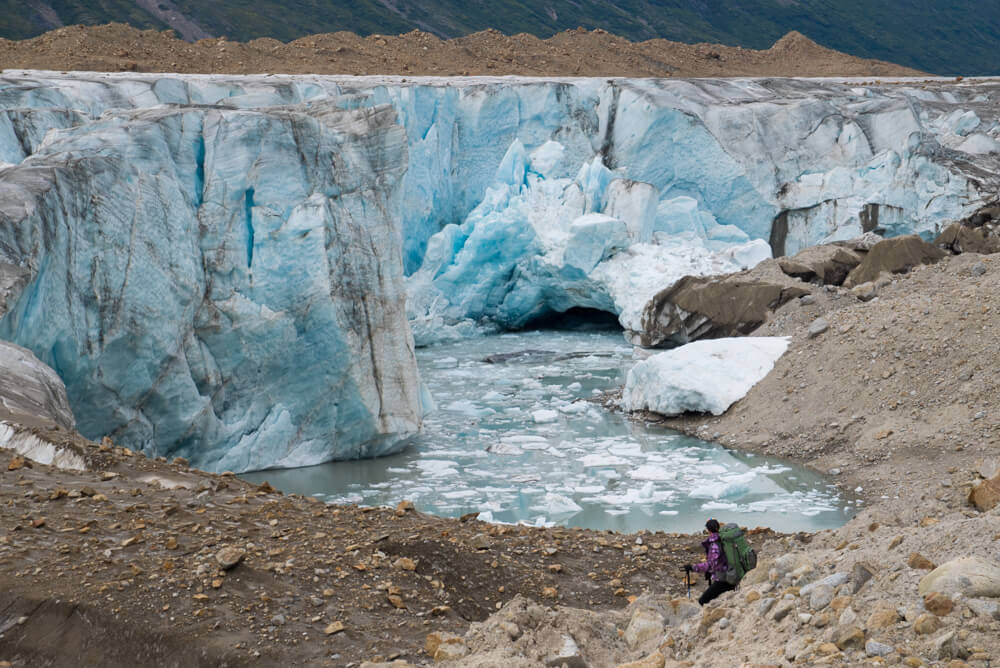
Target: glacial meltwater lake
[(515, 438)]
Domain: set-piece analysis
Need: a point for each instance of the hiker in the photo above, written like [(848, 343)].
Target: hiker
[(714, 567)]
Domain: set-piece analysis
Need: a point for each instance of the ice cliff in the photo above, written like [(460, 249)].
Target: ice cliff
[(217, 283), (215, 265)]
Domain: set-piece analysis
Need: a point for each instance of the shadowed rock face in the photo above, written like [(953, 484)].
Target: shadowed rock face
[(700, 307), (893, 256), (225, 285), (30, 391)]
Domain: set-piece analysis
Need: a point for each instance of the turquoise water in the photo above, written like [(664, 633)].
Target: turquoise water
[(515, 438)]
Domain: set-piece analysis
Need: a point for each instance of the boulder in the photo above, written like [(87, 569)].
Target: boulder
[(700, 307), (861, 244), (680, 610), (938, 603), (986, 495), (846, 637), (882, 618), (825, 264), (920, 562), (961, 238), (926, 624), (645, 624), (873, 648), (974, 577), (984, 608), (948, 646), (894, 256)]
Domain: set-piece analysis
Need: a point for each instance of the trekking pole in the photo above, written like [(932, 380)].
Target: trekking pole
[(687, 576)]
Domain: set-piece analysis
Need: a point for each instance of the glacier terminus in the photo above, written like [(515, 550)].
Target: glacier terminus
[(237, 269)]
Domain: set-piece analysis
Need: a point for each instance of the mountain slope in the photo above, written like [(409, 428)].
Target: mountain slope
[(961, 37)]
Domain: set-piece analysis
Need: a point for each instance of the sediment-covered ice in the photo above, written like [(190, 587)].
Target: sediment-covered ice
[(701, 377)]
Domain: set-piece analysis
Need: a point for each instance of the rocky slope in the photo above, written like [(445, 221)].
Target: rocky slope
[(894, 398), (117, 47)]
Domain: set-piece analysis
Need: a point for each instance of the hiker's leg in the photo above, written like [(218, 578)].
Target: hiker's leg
[(715, 590)]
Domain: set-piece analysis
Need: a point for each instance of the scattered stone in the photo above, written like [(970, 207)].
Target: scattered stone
[(818, 326), (948, 646), (926, 624), (848, 637), (781, 611), (986, 495), (860, 575), (480, 542), (820, 597), (18, 462), (938, 603), (655, 660), (333, 627), (974, 577), (920, 562), (405, 563), (865, 292), (229, 557), (403, 507), (882, 618), (873, 648), (438, 638), (828, 648)]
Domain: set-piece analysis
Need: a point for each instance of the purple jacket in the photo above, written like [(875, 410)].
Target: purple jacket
[(715, 561)]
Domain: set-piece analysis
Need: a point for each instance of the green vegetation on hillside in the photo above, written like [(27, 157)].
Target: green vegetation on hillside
[(959, 37)]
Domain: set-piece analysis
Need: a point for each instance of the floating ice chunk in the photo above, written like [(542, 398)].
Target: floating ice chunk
[(602, 460), (445, 363), (726, 486), (652, 472), (505, 448), (717, 505), (705, 376), (544, 416), (575, 408), (438, 467), (558, 504), (460, 494), (469, 408), (668, 512)]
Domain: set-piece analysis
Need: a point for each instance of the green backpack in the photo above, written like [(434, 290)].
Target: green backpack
[(739, 555)]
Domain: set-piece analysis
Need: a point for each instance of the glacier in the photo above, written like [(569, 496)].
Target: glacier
[(236, 268)]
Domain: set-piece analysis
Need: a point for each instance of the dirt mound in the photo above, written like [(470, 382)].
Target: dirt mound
[(117, 47)]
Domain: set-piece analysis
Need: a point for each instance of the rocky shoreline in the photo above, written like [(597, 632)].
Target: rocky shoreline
[(133, 559)]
